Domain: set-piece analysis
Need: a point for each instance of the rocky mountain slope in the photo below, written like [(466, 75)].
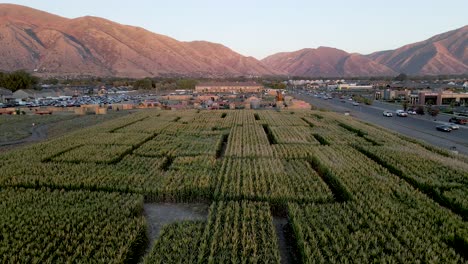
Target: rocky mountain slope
[(55, 46), (445, 53), (326, 62), (31, 39)]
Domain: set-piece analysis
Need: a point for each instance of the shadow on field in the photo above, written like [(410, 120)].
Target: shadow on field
[(159, 214)]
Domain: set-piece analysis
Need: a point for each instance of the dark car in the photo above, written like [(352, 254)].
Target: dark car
[(444, 128), (11, 104)]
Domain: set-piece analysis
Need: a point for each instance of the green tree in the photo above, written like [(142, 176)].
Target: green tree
[(363, 100), (52, 81), (275, 85), (420, 110), (186, 84), (405, 105), (146, 84), (433, 111), (18, 80)]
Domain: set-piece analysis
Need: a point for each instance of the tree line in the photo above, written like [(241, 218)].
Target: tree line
[(23, 80), (18, 80)]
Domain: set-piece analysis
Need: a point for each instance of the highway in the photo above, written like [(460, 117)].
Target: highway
[(419, 127)]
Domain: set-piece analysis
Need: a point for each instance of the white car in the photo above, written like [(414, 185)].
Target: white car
[(452, 126), (401, 113), (355, 103), (411, 112), (387, 113)]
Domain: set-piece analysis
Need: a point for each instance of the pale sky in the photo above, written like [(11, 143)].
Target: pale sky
[(261, 28)]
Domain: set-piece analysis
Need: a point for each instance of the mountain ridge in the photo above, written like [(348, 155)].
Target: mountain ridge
[(52, 45), (327, 62), (445, 53)]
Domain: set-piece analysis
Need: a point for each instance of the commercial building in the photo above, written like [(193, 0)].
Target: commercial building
[(229, 87), (353, 86), (389, 94), (443, 98)]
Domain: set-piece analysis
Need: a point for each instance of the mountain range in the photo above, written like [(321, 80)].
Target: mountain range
[(51, 45), (445, 53)]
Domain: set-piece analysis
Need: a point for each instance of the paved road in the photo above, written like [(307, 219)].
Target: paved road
[(419, 127)]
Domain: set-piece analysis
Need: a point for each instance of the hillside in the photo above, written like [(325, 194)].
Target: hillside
[(32, 39), (327, 62), (446, 53), (56, 46)]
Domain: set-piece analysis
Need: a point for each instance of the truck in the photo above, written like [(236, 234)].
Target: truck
[(459, 120)]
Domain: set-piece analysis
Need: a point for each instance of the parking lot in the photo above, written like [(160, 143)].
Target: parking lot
[(419, 127), (69, 101)]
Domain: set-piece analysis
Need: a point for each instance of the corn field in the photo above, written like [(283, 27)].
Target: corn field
[(351, 192), (178, 243), (45, 226)]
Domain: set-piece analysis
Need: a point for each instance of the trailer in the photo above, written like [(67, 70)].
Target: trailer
[(6, 112), (43, 112)]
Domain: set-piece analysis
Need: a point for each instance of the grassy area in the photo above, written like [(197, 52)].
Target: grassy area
[(18, 127), (69, 125)]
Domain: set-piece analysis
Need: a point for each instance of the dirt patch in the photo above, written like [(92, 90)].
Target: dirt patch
[(39, 133), (286, 241), (159, 214)]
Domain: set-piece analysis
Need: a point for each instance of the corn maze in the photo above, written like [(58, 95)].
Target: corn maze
[(351, 192)]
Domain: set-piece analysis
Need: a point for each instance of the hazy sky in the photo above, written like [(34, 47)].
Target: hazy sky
[(261, 28)]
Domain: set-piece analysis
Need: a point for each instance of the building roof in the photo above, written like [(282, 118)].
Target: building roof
[(252, 98), (4, 91), (215, 84), (27, 91)]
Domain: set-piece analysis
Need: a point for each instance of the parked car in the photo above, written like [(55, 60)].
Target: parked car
[(355, 103), (401, 113), (387, 113), (444, 128), (411, 112), (11, 104)]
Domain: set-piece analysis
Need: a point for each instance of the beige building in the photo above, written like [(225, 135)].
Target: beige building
[(353, 86), (233, 87), (443, 98)]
